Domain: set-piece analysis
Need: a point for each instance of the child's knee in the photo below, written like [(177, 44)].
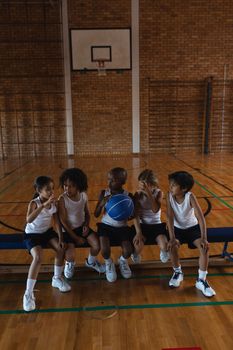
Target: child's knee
[(37, 258)]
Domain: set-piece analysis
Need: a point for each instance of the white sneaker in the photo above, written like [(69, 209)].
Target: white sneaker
[(61, 284), (176, 279), (69, 269), (205, 288), (124, 268), (111, 272), (136, 258), (96, 266), (164, 256), (29, 302)]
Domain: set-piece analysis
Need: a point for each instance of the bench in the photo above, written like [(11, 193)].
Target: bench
[(214, 235)]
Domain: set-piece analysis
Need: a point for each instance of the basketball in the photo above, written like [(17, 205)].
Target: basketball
[(120, 207)]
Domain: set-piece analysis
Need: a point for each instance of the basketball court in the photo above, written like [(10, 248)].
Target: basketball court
[(86, 93)]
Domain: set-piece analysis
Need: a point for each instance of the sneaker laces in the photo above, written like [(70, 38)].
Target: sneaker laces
[(176, 275), (124, 265), (205, 283), (110, 269)]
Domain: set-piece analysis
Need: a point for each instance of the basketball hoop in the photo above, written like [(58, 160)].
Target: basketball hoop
[(101, 67)]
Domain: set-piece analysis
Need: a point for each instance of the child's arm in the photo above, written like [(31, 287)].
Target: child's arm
[(57, 227), (155, 201), (100, 204), (170, 224), (201, 221), (63, 219), (87, 220), (33, 210), (138, 238)]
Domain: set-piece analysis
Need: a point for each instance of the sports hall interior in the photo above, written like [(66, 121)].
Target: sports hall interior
[(168, 107)]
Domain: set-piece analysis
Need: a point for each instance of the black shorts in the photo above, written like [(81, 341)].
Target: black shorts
[(32, 240), (79, 232), (188, 235), (150, 232), (116, 235)]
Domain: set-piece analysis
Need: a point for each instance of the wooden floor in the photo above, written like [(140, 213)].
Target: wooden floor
[(140, 313)]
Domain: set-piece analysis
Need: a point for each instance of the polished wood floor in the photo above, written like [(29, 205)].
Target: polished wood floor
[(140, 313)]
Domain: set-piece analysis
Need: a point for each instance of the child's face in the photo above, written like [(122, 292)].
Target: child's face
[(47, 191), (175, 188), (70, 188), (114, 182)]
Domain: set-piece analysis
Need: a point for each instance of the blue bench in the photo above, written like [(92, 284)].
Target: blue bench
[(214, 235)]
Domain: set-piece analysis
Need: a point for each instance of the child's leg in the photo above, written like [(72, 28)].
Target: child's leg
[(201, 282), (127, 250), (161, 240), (28, 299), (177, 276), (106, 253), (58, 281), (105, 247), (70, 252), (91, 261), (69, 260)]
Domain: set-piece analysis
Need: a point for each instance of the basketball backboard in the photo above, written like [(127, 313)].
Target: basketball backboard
[(89, 46)]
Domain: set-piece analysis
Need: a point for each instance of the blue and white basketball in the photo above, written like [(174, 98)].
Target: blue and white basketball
[(120, 207)]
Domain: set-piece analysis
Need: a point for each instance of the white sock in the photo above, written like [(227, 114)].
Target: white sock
[(30, 285), (70, 262), (58, 271), (122, 258), (177, 269), (91, 259), (202, 275), (108, 261)]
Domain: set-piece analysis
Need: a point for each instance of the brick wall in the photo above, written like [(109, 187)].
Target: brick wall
[(183, 40), (101, 105), (179, 40)]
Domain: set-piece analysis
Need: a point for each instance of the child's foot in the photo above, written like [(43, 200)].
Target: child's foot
[(124, 268), (61, 284), (69, 269), (96, 266), (136, 258), (205, 288), (176, 279), (164, 256), (29, 302), (111, 271)]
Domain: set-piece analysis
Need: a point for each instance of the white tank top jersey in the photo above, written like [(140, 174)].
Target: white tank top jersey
[(106, 219), (146, 214), (75, 210), (43, 221), (184, 216)]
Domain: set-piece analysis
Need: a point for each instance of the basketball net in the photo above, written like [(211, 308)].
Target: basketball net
[(101, 68)]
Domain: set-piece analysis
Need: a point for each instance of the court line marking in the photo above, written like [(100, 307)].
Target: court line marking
[(214, 195), (224, 274), (119, 307), (204, 174)]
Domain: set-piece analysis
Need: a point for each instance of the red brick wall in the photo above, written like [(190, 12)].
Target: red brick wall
[(184, 40), (101, 105)]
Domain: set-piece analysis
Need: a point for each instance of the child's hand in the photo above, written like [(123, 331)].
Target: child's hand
[(51, 200), (144, 187), (173, 243), (104, 200), (205, 245), (85, 230), (61, 244), (138, 240)]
